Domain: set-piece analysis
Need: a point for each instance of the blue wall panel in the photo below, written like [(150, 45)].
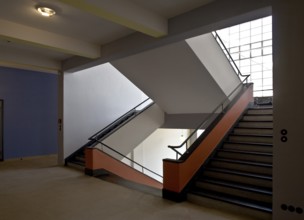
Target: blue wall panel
[(30, 112)]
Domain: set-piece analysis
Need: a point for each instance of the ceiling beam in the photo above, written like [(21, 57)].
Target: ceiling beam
[(36, 37), (205, 19), (125, 13), (18, 58)]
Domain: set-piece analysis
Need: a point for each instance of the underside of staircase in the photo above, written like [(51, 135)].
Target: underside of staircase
[(240, 171)]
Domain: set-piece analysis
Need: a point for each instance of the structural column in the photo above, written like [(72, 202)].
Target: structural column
[(288, 76)]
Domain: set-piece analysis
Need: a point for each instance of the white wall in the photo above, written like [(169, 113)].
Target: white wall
[(211, 55), (93, 98), (174, 78), (151, 152)]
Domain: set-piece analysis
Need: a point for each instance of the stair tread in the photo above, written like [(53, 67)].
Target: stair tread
[(257, 114), (246, 187), (240, 173), (260, 108), (243, 162), (249, 143), (266, 207), (260, 128), (252, 135), (256, 121), (246, 152)]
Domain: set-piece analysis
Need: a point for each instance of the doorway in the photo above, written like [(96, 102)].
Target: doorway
[(1, 130)]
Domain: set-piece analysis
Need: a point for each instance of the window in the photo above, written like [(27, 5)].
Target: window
[(250, 45)]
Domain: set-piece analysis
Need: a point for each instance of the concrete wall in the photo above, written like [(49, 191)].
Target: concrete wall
[(125, 139), (30, 112), (288, 163), (211, 55), (151, 152), (174, 78), (94, 98)]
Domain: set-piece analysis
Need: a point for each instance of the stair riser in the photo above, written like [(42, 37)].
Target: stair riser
[(235, 192), (239, 179), (244, 157), (260, 111), (255, 124), (251, 139), (244, 147), (257, 118), (253, 131), (242, 167)]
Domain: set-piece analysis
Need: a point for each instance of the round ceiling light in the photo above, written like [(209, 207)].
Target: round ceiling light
[(45, 11)]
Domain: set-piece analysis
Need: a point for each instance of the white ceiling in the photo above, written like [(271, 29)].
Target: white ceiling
[(44, 43), (85, 33)]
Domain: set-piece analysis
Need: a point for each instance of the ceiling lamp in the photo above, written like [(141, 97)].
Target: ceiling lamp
[(46, 11)]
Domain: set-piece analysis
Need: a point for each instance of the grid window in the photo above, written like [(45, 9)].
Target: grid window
[(250, 45)]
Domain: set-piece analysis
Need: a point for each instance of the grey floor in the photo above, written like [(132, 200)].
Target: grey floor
[(37, 188)]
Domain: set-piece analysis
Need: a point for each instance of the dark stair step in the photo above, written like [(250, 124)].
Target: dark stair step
[(250, 130), (236, 189), (241, 165), (243, 177), (247, 187), (251, 138), (265, 207), (246, 152)]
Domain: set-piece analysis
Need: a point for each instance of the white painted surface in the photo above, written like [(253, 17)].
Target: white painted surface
[(94, 98), (174, 78), (125, 139), (151, 152), (211, 55)]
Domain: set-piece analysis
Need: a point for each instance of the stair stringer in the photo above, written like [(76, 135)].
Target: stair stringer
[(96, 160)]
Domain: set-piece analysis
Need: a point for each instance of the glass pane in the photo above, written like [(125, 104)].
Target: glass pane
[(256, 68), (267, 36), (245, 26), (256, 31), (256, 45), (256, 23), (268, 93), (244, 34), (245, 54), (245, 62), (234, 49), (257, 94), (234, 29), (267, 28), (256, 60), (245, 47), (267, 59), (267, 50), (245, 41), (267, 82), (267, 43), (256, 75), (267, 74), (256, 52), (267, 20), (235, 56), (256, 38), (245, 69)]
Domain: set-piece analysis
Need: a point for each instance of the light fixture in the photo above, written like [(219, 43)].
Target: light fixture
[(46, 11)]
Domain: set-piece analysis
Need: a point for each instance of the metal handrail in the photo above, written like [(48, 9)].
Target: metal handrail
[(219, 40), (120, 118), (132, 161), (206, 120)]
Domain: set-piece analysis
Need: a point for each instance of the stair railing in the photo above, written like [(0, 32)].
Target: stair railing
[(228, 55), (131, 113), (207, 122), (142, 168)]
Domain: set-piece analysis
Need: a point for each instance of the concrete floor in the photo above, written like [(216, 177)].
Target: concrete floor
[(39, 189)]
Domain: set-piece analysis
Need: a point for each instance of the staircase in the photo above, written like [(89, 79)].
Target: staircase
[(240, 172), (77, 159)]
